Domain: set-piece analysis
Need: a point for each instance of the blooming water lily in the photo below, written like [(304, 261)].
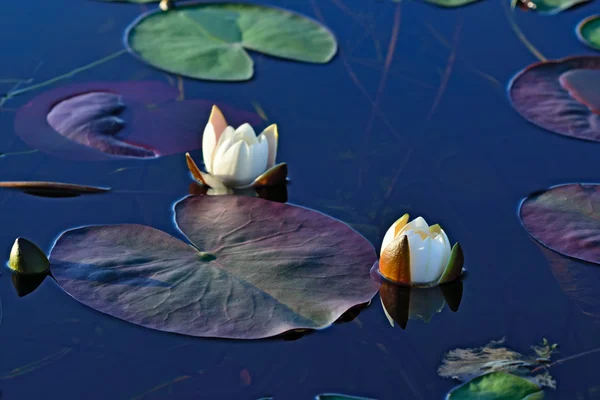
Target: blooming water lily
[(416, 254), (237, 158)]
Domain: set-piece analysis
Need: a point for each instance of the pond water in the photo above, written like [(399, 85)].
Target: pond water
[(421, 126)]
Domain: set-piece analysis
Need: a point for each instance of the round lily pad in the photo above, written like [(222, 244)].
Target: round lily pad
[(561, 96), (109, 120), (497, 386), (565, 219), (256, 269), (209, 40), (588, 31)]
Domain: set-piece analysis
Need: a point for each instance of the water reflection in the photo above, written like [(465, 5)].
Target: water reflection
[(579, 280), (25, 284), (401, 303), (277, 193)]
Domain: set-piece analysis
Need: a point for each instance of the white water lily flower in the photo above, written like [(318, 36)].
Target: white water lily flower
[(237, 158), (416, 254)]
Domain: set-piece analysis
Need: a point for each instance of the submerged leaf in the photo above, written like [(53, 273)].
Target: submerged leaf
[(209, 40), (588, 31), (467, 364), (561, 96), (565, 219), (258, 269), (109, 120), (497, 386), (52, 189)]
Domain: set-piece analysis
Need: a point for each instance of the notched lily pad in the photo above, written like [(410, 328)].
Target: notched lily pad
[(588, 31), (561, 96), (258, 269), (108, 120), (209, 40), (497, 386), (565, 219)]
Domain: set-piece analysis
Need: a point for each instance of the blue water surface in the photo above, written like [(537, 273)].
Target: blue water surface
[(422, 126)]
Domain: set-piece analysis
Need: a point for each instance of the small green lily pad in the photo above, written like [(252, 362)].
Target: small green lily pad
[(548, 7), (497, 386), (210, 40), (588, 31)]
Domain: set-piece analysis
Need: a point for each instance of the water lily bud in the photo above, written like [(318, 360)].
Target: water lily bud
[(416, 254), (237, 158), (27, 258)]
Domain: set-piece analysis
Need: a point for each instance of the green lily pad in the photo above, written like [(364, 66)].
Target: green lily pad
[(588, 31), (451, 3), (548, 7), (209, 40), (497, 386)]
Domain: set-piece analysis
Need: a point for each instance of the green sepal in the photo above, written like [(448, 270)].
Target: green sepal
[(454, 267), (27, 258)]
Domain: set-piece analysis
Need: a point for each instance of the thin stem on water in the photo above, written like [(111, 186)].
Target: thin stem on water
[(69, 74), (515, 27)]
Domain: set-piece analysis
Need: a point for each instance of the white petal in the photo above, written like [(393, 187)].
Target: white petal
[(209, 144), (212, 133), (246, 133), (258, 155), (234, 168), (271, 135), (224, 143), (419, 257), (417, 224), (437, 259), (447, 247)]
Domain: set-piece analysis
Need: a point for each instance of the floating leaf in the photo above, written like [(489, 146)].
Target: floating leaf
[(565, 219), (548, 7), (209, 41), (259, 268), (104, 121), (52, 189), (588, 31), (497, 386), (467, 364), (561, 96), (451, 3)]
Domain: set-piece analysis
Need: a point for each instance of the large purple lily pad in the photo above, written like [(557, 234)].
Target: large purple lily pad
[(561, 96), (108, 120), (258, 269), (566, 219)]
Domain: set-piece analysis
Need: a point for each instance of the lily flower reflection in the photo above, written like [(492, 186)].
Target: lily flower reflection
[(401, 303)]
